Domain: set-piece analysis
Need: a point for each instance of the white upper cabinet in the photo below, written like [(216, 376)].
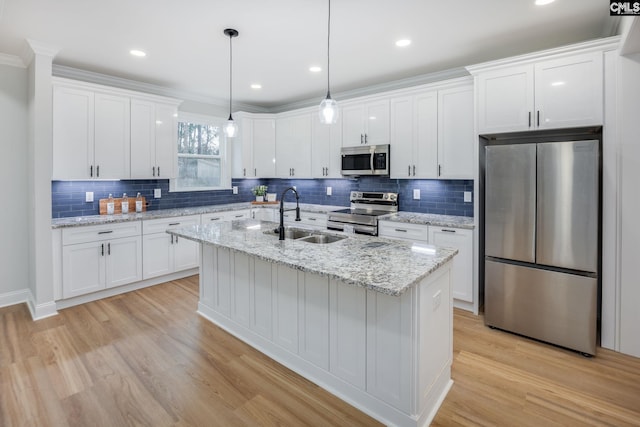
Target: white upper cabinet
[(112, 142), (254, 148), (414, 136), (456, 136), (551, 94), (325, 149), (72, 133), (293, 146), (153, 139), (432, 133), (108, 133), (365, 123)]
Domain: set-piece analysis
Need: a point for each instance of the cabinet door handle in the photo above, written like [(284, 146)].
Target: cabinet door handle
[(409, 170), (154, 171), (244, 171), (174, 223), (176, 239), (448, 231), (402, 230), (91, 171), (98, 171), (365, 138), (255, 172), (361, 139), (414, 170), (105, 232), (108, 248), (293, 171), (439, 170), (172, 239), (158, 170), (102, 249), (538, 119), (529, 118)]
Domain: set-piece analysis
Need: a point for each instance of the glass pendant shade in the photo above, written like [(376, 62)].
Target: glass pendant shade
[(328, 111), (230, 128)]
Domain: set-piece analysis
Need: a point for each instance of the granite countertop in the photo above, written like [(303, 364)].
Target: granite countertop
[(382, 265), (167, 213), (431, 219)]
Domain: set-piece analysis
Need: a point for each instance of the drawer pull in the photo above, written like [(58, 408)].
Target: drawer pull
[(108, 248), (102, 250), (214, 219), (174, 223), (239, 216), (105, 232), (312, 219), (401, 230), (448, 231)]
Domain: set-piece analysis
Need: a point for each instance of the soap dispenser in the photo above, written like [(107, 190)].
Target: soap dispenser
[(125, 203), (111, 207)]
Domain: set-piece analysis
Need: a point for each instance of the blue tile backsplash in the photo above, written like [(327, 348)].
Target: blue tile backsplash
[(436, 196)]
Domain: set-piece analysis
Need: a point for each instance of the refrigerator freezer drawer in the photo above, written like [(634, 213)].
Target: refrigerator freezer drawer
[(555, 307)]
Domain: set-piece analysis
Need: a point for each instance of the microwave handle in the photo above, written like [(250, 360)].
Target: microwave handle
[(371, 160)]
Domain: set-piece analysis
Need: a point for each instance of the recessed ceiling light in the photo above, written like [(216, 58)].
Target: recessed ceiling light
[(136, 52), (315, 69), (543, 2), (256, 86), (403, 42)]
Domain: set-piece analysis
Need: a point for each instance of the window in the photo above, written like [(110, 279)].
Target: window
[(202, 161)]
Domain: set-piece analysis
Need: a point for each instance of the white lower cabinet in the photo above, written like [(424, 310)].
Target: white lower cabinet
[(462, 271), (165, 253), (314, 320), (225, 216), (447, 237), (100, 257), (348, 333), (285, 308), (306, 218), (265, 214)]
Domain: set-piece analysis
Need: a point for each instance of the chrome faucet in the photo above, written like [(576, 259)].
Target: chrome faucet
[(282, 211)]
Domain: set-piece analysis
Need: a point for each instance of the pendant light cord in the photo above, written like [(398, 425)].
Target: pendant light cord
[(230, 73), (328, 56)]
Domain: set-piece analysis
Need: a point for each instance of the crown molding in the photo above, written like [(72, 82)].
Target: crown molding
[(122, 83), (608, 43), (11, 60), (34, 47), (409, 82)]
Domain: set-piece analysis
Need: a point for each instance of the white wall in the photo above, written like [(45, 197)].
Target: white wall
[(13, 175), (628, 123)]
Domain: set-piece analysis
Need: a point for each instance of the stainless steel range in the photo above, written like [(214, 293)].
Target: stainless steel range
[(363, 215)]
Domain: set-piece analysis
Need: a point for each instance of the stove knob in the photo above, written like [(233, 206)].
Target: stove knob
[(386, 196)]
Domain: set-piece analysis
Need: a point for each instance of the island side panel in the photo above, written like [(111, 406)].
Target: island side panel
[(314, 319)]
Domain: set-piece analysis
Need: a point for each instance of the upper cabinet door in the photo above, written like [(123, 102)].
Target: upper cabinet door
[(72, 133), (425, 127), (456, 136), (325, 149), (353, 129), (569, 91), (506, 101), (293, 147), (166, 148), (377, 122), (403, 162), (143, 137), (112, 136), (264, 148)]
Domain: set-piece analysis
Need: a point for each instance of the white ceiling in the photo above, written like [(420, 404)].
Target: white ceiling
[(280, 39)]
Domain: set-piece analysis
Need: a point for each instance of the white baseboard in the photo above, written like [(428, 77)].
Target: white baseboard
[(14, 297), (41, 311)]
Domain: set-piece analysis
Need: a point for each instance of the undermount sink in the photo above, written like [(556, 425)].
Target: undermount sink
[(308, 236), (322, 238)]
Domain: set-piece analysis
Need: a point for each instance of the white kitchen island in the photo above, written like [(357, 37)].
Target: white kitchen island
[(368, 319)]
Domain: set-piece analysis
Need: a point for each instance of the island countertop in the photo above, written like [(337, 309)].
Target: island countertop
[(387, 266)]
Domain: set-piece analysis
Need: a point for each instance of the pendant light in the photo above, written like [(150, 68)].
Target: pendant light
[(328, 109), (230, 128)]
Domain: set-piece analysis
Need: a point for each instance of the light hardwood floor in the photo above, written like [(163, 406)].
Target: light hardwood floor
[(146, 358)]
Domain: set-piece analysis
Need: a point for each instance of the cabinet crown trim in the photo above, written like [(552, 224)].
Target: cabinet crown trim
[(600, 45)]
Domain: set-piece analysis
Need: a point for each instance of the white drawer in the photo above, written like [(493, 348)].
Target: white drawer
[(403, 231), (151, 226), (93, 233), (225, 216)]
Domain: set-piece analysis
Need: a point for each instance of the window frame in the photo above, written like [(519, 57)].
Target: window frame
[(225, 163)]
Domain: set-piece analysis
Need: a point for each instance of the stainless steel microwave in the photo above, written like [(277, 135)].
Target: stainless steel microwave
[(365, 160)]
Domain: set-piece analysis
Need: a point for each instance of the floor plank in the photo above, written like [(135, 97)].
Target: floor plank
[(146, 358)]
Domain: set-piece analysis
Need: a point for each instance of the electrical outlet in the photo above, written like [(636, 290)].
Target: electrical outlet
[(328, 191), (234, 189), (467, 196), (88, 196), (157, 193), (416, 194)]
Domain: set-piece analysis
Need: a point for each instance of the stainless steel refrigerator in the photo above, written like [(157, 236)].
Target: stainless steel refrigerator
[(542, 241)]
